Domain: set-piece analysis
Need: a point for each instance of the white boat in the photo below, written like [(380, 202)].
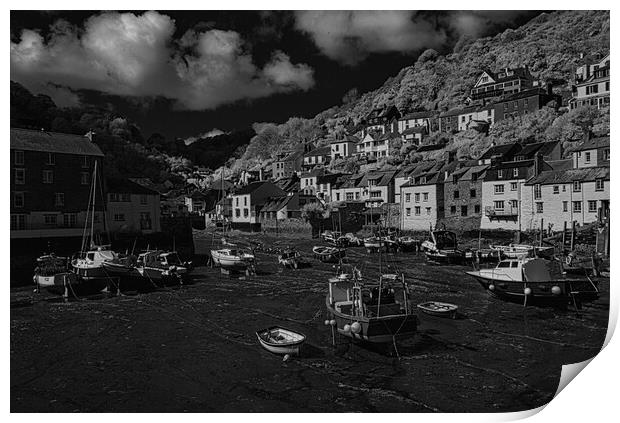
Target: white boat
[(52, 271), (534, 281), (232, 258), (439, 309), (89, 264), (279, 340), (514, 251), (159, 265)]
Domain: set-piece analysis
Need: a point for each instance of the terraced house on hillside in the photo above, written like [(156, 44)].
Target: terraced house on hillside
[(592, 85)]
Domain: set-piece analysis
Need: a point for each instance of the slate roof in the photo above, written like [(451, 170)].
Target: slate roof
[(415, 130), (348, 138), (384, 178), (543, 148), (499, 150), (250, 188), (517, 73), (127, 186), (525, 94), (320, 151), (591, 144), (588, 174), (53, 142), (430, 147), (417, 115)]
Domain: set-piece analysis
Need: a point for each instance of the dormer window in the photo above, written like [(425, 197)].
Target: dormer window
[(500, 173)]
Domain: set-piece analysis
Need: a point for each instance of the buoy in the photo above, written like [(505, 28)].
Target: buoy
[(332, 322), (556, 290), (356, 327), (326, 322), (527, 291), (491, 287), (347, 328)]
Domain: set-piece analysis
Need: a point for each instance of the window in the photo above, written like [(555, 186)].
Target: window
[(588, 157), (417, 210), (51, 159), (606, 154), (456, 194), (48, 176), (513, 186), (425, 196), (349, 195), (563, 188), (500, 174), (463, 210), (565, 206), (59, 199), (119, 217), (143, 199), (69, 220), (592, 206), (428, 211), (537, 193), (237, 213), (514, 204), (246, 212), (474, 176), (50, 219), (539, 207), (145, 221), (417, 197), (577, 206), (18, 222), (237, 201), (576, 186), (452, 209), (20, 176), (375, 194), (515, 172), (125, 197), (19, 157), (556, 189), (408, 197), (498, 205), (525, 102), (600, 185), (357, 195), (408, 211), (337, 196), (85, 162), (477, 208), (499, 189), (592, 89), (84, 178), (245, 201), (18, 199)]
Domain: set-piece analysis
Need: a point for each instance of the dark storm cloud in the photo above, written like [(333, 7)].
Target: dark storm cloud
[(136, 55)]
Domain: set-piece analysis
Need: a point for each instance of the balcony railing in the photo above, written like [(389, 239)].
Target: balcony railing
[(492, 212)]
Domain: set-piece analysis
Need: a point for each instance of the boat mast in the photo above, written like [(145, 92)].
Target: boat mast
[(92, 226)]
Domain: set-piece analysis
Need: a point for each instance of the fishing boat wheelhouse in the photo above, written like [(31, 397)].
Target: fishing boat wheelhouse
[(370, 312), (443, 247)]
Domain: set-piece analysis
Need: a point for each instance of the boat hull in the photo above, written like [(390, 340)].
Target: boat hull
[(120, 270), (289, 347), (376, 330), (90, 273), (541, 293)]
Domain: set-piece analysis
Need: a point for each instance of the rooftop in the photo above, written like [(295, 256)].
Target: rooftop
[(593, 143), (53, 142), (588, 174)]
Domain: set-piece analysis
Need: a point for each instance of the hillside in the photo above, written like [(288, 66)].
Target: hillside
[(551, 46)]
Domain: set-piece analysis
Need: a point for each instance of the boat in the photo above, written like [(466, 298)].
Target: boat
[(123, 267), (279, 340), (88, 265), (535, 281), (408, 243), (160, 265), (52, 271), (514, 251), (353, 240), (439, 309), (290, 258), (328, 254), (373, 243), (232, 258), (370, 312), (443, 248)]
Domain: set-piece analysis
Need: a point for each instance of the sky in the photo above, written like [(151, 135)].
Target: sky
[(185, 74)]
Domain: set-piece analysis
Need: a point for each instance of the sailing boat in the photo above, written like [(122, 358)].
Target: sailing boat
[(88, 266)]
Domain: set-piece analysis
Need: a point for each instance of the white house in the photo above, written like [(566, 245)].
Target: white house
[(592, 85), (342, 148)]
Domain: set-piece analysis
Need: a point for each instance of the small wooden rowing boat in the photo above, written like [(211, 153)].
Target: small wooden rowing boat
[(279, 340), (439, 309), (328, 254)]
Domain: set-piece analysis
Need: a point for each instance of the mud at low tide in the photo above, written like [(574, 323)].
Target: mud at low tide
[(194, 349)]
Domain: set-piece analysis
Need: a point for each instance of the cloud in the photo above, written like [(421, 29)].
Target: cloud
[(478, 23), (209, 134), (350, 36), (136, 55)]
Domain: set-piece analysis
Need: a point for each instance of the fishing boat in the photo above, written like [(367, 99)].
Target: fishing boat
[(279, 340), (514, 251), (408, 243), (535, 281), (353, 240), (88, 265), (439, 309), (231, 258), (123, 267), (442, 247), (370, 312), (161, 265), (52, 271), (373, 243), (290, 258), (328, 254)]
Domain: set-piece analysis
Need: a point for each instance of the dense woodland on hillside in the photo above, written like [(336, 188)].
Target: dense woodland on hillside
[(551, 44)]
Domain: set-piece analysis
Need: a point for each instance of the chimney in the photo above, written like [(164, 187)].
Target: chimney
[(89, 135), (450, 156), (538, 163), (549, 87), (260, 173)]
